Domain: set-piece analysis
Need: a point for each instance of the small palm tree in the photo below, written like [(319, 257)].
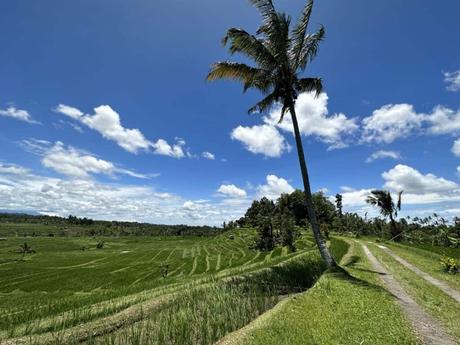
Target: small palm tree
[(383, 200), (25, 249), (280, 55)]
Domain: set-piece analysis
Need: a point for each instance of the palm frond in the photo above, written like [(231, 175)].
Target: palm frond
[(382, 199), (263, 81), (284, 110), (234, 71), (310, 48), (299, 32), (277, 37), (309, 85), (264, 104), (265, 7), (249, 45), (399, 200)]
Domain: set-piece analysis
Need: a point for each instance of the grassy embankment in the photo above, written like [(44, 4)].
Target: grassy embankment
[(342, 308)]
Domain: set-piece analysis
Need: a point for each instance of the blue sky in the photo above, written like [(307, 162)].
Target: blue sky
[(105, 111)]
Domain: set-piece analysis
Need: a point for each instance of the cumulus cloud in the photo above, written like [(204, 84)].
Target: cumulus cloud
[(18, 114), (354, 197), (208, 155), (381, 154), (161, 147), (107, 122), (74, 163), (423, 193), (232, 191), (391, 122), (443, 120), (314, 120), (274, 187), (411, 181), (452, 79), (263, 139), (22, 189)]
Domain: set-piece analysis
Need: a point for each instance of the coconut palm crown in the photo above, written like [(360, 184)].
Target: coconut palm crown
[(279, 53), (384, 201), (280, 56)]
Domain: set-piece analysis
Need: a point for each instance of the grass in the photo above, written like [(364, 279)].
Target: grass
[(427, 258), (342, 308), (432, 299), (207, 313), (62, 286)]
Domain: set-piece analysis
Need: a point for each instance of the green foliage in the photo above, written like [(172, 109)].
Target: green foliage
[(266, 238), (450, 265), (338, 204), (29, 225), (287, 230)]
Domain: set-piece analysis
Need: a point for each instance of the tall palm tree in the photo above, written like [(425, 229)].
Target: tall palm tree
[(383, 200), (280, 56)]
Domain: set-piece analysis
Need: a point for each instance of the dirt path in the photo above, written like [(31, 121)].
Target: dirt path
[(427, 328), (455, 294)]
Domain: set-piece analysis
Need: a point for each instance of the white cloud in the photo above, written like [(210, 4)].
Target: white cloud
[(107, 122), (12, 169), (70, 162), (190, 205), (456, 148), (74, 163), (443, 120), (263, 139), (208, 155), (381, 154), (161, 147), (453, 80), (17, 114), (23, 190), (232, 191), (390, 122), (72, 112), (354, 197), (312, 116), (274, 188), (411, 181)]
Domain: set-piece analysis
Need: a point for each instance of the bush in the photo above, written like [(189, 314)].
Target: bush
[(450, 265), (100, 245)]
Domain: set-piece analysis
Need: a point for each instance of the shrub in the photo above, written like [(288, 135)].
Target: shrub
[(450, 265), (100, 245)]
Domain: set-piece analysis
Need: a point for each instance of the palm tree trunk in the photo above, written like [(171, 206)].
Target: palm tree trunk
[(395, 233), (319, 238)]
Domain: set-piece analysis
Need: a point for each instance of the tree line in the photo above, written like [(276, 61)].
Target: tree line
[(11, 224), (279, 222)]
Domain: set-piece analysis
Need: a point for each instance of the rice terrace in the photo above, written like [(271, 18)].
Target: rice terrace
[(138, 206)]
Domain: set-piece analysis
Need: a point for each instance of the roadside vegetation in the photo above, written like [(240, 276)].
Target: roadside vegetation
[(432, 299), (349, 307)]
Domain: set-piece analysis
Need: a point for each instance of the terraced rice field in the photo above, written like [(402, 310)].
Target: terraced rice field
[(69, 284)]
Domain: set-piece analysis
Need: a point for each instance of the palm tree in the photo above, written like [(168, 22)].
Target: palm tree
[(383, 200), (280, 56)]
